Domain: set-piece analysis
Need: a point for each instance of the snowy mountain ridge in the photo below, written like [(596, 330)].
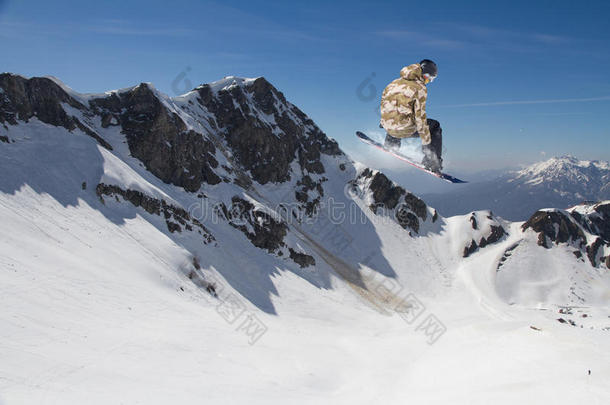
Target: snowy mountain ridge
[(562, 169), (557, 182)]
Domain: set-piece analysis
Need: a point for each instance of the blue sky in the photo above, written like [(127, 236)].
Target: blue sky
[(518, 81)]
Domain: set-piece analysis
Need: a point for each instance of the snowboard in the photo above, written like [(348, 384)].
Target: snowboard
[(447, 177)]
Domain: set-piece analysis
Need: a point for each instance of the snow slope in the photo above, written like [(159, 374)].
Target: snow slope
[(102, 303)]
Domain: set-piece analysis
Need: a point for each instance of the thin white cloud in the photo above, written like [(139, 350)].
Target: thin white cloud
[(524, 102), (484, 32), (425, 40), (113, 27), (446, 35), (118, 30), (119, 26)]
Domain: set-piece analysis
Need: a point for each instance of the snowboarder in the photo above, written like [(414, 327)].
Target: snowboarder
[(403, 113)]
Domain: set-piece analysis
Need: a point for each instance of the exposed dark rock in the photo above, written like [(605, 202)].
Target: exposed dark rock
[(173, 227), (160, 139), (109, 120), (580, 219), (473, 221), (435, 216), (470, 249), (311, 207), (305, 185), (593, 249), (39, 96), (542, 240), (569, 321), (264, 148), (366, 173), (507, 253), (84, 185), (569, 227), (602, 221), (407, 219), (608, 261), (301, 196), (4, 139), (387, 195), (597, 223), (555, 226), (417, 205), (301, 259), (385, 192), (265, 232), (497, 232), (157, 207), (42, 98)]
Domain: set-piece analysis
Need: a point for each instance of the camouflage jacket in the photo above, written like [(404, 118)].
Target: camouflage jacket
[(403, 105)]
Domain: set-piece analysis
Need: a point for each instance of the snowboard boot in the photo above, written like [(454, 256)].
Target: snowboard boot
[(432, 152), (431, 160), (391, 143)]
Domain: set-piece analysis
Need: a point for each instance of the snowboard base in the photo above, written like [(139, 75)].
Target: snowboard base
[(444, 176)]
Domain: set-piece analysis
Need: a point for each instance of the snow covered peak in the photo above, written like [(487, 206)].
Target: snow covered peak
[(229, 82), (563, 168), (557, 182), (588, 207), (84, 98), (561, 163)]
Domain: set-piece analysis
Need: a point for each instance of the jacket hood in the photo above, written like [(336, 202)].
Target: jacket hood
[(412, 72)]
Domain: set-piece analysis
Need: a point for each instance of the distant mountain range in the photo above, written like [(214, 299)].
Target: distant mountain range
[(557, 182)]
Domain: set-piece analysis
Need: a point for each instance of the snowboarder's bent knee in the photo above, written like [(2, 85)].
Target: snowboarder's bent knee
[(403, 112)]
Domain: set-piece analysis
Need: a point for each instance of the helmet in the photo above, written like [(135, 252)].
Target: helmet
[(429, 69)]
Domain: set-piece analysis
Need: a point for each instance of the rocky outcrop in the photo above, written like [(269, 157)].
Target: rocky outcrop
[(569, 227), (555, 226), (495, 234), (470, 249), (385, 192), (596, 222), (22, 99), (176, 218), (593, 250), (266, 132), (415, 205), (507, 254), (473, 221), (159, 138), (262, 229), (407, 209), (302, 259), (302, 192)]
